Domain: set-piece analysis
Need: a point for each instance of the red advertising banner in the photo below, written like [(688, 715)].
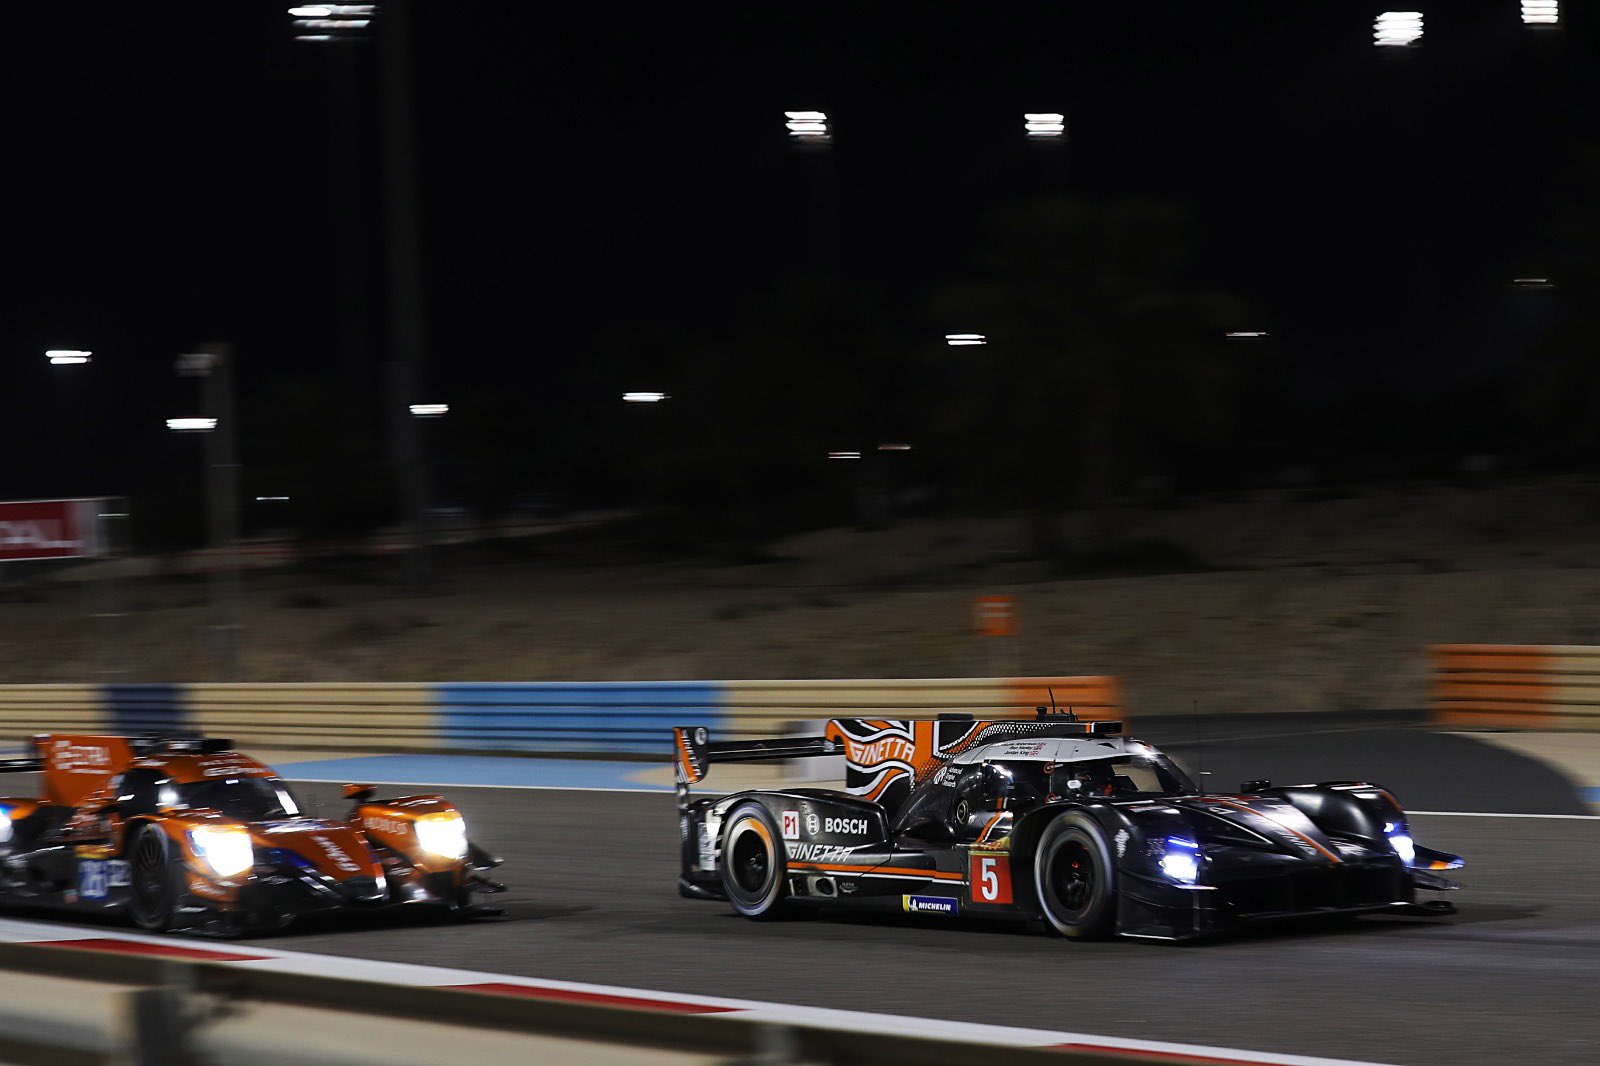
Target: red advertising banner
[(50, 529)]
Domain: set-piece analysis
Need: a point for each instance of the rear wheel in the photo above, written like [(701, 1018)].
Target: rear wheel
[(156, 879), (754, 867), (1074, 878)]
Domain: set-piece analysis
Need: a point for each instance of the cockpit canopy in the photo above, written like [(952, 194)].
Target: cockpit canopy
[(958, 797)]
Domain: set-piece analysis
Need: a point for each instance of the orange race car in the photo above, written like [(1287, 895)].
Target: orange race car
[(186, 833)]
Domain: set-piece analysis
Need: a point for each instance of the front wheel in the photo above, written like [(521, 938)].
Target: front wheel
[(155, 877), (1074, 878), (754, 867)]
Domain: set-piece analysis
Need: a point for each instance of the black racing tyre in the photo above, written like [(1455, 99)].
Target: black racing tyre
[(1074, 878), (155, 880), (754, 867)]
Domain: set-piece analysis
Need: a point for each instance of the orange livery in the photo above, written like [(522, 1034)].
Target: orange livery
[(186, 833)]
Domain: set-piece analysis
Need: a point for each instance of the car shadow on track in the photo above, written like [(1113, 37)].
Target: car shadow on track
[(409, 918)]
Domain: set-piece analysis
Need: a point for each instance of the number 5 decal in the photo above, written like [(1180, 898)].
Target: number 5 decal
[(992, 883)]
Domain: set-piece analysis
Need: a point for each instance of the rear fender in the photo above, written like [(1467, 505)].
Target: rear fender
[(815, 826)]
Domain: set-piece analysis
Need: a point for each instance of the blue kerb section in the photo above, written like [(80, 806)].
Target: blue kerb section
[(147, 709), (634, 718)]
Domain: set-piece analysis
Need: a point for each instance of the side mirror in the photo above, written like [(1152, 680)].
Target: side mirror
[(1255, 786), (358, 793)]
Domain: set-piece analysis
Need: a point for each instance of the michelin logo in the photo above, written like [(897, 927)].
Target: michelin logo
[(944, 905)]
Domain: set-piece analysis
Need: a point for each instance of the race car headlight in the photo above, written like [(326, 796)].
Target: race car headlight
[(443, 835), (225, 848), (1401, 842), (1181, 860), (5, 826)]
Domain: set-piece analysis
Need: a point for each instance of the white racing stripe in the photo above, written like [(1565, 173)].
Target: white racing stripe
[(248, 955)]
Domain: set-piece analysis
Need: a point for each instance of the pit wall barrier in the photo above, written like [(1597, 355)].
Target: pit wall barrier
[(1516, 686), (590, 718)]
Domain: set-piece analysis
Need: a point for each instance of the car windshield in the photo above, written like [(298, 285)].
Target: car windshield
[(1125, 776), (248, 799)]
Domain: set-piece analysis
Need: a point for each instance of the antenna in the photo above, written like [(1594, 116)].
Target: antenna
[(1200, 745)]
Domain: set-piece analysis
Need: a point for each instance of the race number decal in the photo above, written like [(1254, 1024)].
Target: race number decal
[(791, 825), (991, 879), (92, 879)]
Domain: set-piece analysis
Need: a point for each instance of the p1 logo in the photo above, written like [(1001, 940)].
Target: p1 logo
[(791, 825), (991, 879)]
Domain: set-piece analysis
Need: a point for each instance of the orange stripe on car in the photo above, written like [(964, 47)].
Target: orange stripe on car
[(842, 868), (1280, 825)]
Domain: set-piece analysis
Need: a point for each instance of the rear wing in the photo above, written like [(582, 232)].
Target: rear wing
[(693, 752), (883, 759)]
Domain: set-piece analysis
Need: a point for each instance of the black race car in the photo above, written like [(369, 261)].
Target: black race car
[(1057, 820)]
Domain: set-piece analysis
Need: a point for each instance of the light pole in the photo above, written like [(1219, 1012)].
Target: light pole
[(213, 364)]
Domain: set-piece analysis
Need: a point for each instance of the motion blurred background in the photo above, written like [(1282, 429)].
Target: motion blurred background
[(1273, 363)]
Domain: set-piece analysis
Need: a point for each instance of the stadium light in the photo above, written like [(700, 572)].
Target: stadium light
[(191, 425), (332, 22), (962, 340), (1397, 29), (67, 356), (807, 125), (1246, 333), (644, 397), (1541, 12), (1045, 125), (1533, 283), (430, 410), (844, 455), (894, 447)]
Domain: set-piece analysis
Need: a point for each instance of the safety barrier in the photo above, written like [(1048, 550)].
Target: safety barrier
[(597, 717), (1516, 686), (122, 999)]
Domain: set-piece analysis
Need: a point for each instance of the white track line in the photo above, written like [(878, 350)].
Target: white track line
[(1496, 814), (255, 957)]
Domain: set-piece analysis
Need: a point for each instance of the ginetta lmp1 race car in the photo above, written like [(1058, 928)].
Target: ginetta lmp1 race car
[(1056, 820), (189, 834)]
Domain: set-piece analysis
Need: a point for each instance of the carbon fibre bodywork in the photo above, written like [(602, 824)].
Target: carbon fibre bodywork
[(1175, 863)]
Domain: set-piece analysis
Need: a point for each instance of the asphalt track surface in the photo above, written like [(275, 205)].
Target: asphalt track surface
[(1513, 975)]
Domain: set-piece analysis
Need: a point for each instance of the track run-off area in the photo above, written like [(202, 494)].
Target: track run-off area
[(592, 899)]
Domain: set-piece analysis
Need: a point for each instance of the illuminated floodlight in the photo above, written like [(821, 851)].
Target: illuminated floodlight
[(964, 340), (644, 397), (894, 447), (430, 410), (192, 425), (1541, 12), (1045, 125), (271, 499), (332, 22), (1248, 333), (844, 455), (807, 125), (67, 356), (1533, 283), (1397, 29)]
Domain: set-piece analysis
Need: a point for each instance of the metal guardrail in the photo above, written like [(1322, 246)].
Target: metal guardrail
[(169, 1006)]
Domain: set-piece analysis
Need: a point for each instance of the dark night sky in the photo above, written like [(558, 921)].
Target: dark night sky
[(174, 177)]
